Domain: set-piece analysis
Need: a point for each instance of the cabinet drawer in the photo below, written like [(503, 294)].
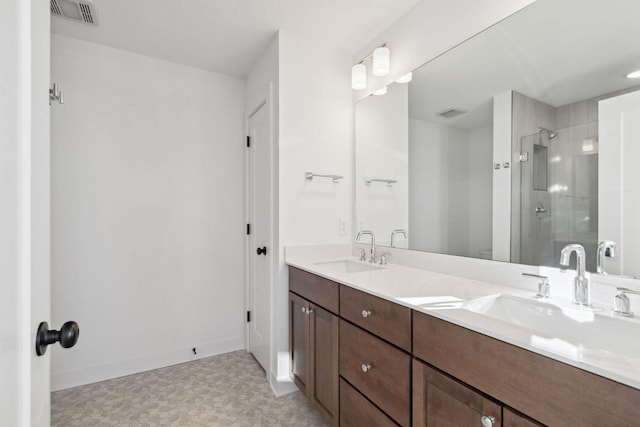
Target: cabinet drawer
[(379, 370), (356, 410), (386, 319), (316, 289)]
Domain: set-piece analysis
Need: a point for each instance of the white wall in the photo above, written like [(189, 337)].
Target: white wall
[(382, 151), (481, 189), (315, 135), (501, 203), (450, 188), (429, 29), (147, 211), (428, 187)]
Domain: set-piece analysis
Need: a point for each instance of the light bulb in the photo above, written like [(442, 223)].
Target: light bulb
[(381, 61), (358, 77)]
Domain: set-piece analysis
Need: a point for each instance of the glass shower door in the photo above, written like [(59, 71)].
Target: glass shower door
[(559, 194)]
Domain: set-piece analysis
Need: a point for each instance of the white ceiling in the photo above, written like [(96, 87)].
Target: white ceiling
[(228, 36), (557, 51)]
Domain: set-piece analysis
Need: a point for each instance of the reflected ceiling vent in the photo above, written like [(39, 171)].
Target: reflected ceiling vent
[(450, 113), (77, 11)]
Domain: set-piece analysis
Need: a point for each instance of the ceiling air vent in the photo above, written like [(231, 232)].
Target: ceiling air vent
[(450, 113), (77, 11)]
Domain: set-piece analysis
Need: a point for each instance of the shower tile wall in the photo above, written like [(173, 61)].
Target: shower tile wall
[(528, 114), (572, 193)]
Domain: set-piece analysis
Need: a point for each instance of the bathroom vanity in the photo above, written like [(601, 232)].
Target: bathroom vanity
[(401, 346)]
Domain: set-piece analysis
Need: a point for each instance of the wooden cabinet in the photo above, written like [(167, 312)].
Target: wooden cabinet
[(357, 411), (389, 321), (440, 401), (549, 391), (382, 364), (316, 289), (323, 345), (314, 336), (378, 370), (510, 418), (299, 341)]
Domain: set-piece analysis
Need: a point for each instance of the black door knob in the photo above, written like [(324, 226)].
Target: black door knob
[(67, 335), (262, 250)]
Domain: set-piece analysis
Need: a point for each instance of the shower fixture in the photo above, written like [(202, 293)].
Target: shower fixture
[(550, 134)]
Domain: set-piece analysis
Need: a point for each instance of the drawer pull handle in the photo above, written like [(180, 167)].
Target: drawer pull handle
[(366, 313), (366, 367), (488, 420), (306, 310)]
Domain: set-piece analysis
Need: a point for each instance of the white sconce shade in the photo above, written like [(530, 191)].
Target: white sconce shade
[(381, 61), (381, 91), (406, 78), (358, 77)]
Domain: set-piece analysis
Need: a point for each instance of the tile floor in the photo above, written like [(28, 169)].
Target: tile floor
[(226, 390)]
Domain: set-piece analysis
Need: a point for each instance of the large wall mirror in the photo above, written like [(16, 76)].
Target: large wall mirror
[(513, 144)]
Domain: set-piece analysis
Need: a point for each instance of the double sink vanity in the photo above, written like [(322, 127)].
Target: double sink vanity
[(387, 345)]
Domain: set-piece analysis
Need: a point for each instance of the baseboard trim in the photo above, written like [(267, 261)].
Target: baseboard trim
[(76, 377), (281, 386)]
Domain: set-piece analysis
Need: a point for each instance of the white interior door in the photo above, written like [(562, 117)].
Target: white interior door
[(24, 211), (260, 236), (619, 181)]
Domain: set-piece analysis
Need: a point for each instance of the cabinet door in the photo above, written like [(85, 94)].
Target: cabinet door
[(323, 389), (439, 401), (299, 341)]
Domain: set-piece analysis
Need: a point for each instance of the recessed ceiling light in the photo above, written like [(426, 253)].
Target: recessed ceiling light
[(634, 75)]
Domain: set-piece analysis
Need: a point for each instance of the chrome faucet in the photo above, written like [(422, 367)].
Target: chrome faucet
[(373, 243), (398, 231), (580, 282), (606, 248)]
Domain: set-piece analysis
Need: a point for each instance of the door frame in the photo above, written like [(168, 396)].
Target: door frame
[(25, 246), (266, 101)]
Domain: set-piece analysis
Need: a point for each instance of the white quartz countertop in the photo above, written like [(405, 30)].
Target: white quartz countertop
[(589, 338)]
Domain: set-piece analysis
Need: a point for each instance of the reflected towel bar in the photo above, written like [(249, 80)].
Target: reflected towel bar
[(368, 180), (310, 175)]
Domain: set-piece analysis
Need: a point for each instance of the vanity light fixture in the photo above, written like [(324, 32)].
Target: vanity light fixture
[(380, 67), (382, 91), (634, 75), (406, 78), (381, 61), (359, 76)]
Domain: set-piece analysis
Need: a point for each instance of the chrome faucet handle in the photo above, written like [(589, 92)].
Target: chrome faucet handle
[(621, 303), (363, 255), (383, 258), (544, 287)]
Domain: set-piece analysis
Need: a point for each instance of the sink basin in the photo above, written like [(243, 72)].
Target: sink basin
[(348, 266), (574, 331)]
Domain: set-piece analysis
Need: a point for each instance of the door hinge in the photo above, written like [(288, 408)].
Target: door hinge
[(248, 141), (248, 228), (248, 316)]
